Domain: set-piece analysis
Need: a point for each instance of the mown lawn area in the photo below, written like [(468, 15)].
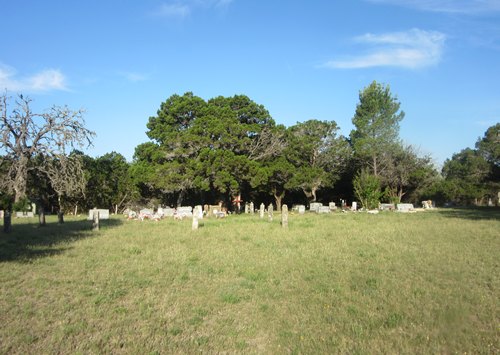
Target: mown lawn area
[(421, 283)]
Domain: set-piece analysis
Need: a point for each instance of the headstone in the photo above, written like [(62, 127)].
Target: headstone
[(261, 211), (103, 214), (168, 212), (252, 208), (314, 206), (194, 225), (301, 209), (332, 206), (213, 210), (323, 209), (354, 206), (284, 216), (185, 211), (386, 207), (247, 208), (199, 211), (490, 202), (33, 208), (95, 219), (405, 207), (1, 213), (270, 212)]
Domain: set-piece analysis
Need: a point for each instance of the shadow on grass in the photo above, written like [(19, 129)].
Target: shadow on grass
[(474, 213), (28, 241)]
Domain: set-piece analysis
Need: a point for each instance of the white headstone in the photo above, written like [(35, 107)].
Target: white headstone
[(354, 206), (301, 209)]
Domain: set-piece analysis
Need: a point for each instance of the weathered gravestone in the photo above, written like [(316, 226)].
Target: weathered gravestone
[(196, 215), (405, 207), (354, 206), (323, 209), (95, 219), (261, 211), (103, 214), (386, 207), (198, 210), (252, 208), (332, 206), (270, 211), (247, 208), (284, 216), (314, 206), (184, 211), (301, 209)]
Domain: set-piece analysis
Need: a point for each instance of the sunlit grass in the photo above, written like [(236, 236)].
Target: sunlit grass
[(341, 283)]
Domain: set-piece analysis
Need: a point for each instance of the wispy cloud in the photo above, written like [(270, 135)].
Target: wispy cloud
[(134, 77), (181, 9), (411, 49), (177, 10), (45, 80), (448, 6)]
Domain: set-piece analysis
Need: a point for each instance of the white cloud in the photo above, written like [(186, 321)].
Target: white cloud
[(45, 80), (181, 9), (411, 49), (449, 6), (177, 10), (134, 76)]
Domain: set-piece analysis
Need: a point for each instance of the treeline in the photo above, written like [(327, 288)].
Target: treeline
[(229, 149)]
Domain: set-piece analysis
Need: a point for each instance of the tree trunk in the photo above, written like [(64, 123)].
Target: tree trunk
[(278, 198), (180, 197), (7, 221), (60, 217), (41, 216), (60, 213)]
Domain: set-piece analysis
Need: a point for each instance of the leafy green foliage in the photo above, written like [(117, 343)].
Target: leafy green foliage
[(367, 189), (376, 123)]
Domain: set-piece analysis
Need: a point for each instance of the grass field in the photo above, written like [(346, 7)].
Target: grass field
[(390, 283)]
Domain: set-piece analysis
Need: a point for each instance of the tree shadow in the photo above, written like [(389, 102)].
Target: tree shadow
[(28, 241), (473, 213)]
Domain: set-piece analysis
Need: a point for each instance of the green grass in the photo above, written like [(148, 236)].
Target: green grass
[(420, 283)]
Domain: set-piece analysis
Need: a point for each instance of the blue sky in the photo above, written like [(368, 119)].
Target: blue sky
[(300, 59)]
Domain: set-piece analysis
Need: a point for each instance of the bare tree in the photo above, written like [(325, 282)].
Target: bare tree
[(25, 135), (66, 177)]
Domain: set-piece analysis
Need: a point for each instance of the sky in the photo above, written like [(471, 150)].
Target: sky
[(120, 59)]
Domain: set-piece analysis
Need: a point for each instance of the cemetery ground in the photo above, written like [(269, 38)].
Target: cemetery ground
[(421, 283)]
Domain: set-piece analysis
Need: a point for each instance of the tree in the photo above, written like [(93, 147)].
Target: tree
[(25, 135), (206, 146), (376, 123), (406, 172), (110, 184), (466, 173), (66, 177), (367, 189), (319, 155)]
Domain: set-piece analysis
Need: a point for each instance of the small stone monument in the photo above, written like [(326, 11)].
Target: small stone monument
[(247, 208), (252, 208), (196, 214), (261, 211), (284, 216), (301, 209), (354, 206), (95, 219), (270, 211)]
